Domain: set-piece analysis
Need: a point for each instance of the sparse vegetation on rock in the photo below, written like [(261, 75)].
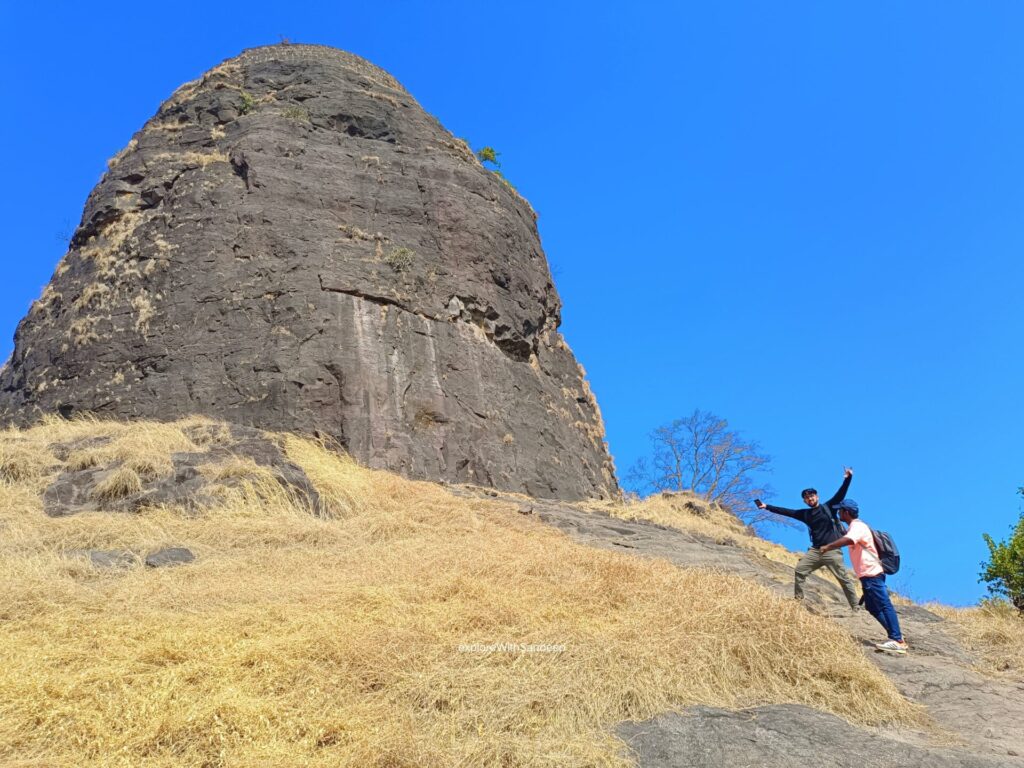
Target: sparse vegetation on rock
[(489, 155), (248, 103), (296, 112), (400, 259)]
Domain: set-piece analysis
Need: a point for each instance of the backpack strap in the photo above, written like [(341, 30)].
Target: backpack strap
[(837, 524)]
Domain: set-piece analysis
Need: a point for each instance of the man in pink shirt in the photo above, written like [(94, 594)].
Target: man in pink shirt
[(868, 568)]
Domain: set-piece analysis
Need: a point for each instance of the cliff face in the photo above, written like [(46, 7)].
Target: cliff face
[(292, 243)]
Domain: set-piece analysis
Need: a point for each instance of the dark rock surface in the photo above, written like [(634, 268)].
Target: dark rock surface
[(169, 556), (123, 558), (292, 243), (786, 736), (106, 558)]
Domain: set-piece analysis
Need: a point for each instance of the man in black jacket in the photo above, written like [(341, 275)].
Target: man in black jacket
[(824, 528)]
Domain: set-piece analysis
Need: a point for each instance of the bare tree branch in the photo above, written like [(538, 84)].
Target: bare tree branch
[(701, 454)]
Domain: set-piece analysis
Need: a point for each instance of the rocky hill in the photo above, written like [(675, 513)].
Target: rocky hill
[(293, 243)]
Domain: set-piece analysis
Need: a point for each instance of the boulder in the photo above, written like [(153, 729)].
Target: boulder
[(169, 556)]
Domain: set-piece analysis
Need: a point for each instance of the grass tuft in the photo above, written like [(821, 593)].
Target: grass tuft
[(20, 462), (400, 259), (994, 630), (297, 113), (84, 459), (121, 483)]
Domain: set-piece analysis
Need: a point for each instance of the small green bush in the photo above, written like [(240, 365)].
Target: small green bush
[(1004, 571), (248, 103), (489, 155)]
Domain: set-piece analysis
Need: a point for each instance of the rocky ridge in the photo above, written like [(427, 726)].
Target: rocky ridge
[(293, 243)]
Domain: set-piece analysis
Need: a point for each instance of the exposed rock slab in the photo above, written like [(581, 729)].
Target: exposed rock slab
[(293, 243), (169, 556), (106, 558), (787, 736), (119, 559)]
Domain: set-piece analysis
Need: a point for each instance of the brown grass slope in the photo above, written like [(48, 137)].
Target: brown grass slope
[(334, 640), (994, 632)]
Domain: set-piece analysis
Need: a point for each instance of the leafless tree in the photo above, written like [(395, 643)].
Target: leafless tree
[(701, 454)]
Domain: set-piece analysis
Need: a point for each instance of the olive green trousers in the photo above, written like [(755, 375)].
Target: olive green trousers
[(812, 560)]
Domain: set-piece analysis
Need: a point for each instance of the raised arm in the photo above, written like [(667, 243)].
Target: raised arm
[(841, 493)]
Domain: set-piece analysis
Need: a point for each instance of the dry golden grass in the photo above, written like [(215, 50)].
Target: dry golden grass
[(144, 312), (116, 159), (334, 639), (200, 159), (22, 461), (689, 512), (120, 483), (82, 331), (145, 451), (93, 297), (993, 631)]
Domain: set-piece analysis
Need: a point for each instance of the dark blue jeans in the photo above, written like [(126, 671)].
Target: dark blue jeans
[(876, 600)]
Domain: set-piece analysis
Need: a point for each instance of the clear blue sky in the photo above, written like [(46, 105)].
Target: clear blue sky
[(804, 217)]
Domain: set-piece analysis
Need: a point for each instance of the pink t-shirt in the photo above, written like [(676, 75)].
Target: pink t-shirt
[(862, 552)]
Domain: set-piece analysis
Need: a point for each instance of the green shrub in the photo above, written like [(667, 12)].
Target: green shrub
[(248, 103), (489, 155), (1004, 571)]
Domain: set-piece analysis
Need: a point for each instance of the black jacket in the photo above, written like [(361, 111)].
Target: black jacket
[(821, 520)]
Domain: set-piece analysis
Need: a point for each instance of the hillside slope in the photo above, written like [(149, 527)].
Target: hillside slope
[(336, 615), (975, 696)]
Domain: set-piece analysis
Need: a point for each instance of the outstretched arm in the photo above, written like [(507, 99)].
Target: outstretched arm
[(841, 493), (796, 514), (837, 544)]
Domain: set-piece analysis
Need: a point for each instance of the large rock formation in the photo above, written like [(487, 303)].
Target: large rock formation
[(292, 243)]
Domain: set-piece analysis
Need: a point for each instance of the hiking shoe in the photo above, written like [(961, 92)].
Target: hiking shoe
[(893, 646)]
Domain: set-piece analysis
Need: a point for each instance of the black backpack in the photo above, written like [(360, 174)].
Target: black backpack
[(888, 554)]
